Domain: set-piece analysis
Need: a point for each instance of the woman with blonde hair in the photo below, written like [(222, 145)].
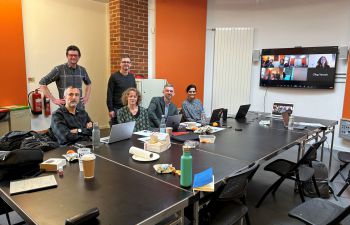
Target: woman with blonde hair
[(132, 111)]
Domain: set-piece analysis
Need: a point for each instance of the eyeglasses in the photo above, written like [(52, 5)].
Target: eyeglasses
[(73, 55), (126, 62), (191, 91)]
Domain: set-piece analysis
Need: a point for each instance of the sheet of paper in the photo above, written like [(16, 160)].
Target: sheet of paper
[(35, 183), (145, 133), (144, 139), (216, 129)]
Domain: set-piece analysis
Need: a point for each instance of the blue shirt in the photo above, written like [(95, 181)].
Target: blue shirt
[(192, 110)]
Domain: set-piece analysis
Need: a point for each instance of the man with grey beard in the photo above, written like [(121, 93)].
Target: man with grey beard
[(70, 124)]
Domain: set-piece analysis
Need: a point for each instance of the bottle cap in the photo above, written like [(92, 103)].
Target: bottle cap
[(186, 148)]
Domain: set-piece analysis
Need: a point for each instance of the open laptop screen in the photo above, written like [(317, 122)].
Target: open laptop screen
[(279, 108)]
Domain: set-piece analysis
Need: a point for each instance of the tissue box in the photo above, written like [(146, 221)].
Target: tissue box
[(52, 164), (160, 146)]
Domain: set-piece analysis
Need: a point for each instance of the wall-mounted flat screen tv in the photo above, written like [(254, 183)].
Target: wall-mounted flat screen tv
[(311, 67)]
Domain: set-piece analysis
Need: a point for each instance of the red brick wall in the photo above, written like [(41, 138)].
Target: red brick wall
[(129, 34)]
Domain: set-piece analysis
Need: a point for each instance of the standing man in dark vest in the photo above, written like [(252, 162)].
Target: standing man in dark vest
[(66, 75), (117, 84)]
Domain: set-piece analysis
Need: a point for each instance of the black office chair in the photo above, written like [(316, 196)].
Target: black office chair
[(227, 204), (300, 171), (344, 157), (5, 209), (318, 211)]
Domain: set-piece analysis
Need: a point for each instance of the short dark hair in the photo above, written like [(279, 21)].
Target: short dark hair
[(73, 48), (124, 56), (191, 86)]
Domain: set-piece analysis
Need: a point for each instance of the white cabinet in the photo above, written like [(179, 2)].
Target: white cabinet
[(150, 88), (19, 118)]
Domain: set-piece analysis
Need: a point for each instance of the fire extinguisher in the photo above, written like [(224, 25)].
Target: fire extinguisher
[(36, 103), (47, 107)]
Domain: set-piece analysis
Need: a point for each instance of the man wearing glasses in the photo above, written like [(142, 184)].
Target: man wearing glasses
[(117, 84), (66, 75)]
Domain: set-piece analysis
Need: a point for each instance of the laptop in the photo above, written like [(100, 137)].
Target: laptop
[(242, 111), (174, 121), (216, 115), (119, 132), (279, 108)]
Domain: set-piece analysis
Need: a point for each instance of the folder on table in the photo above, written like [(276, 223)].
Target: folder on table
[(204, 181)]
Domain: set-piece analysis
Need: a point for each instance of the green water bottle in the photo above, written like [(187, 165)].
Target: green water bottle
[(186, 167)]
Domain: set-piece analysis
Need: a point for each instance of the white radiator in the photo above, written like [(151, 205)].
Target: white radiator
[(233, 49)]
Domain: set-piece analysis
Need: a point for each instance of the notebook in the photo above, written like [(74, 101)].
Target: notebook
[(279, 108), (32, 184), (174, 121), (242, 111), (204, 181), (119, 132)]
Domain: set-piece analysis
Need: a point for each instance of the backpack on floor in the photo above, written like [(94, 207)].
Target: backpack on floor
[(321, 175)]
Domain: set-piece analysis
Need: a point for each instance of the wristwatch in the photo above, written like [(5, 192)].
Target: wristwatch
[(79, 131)]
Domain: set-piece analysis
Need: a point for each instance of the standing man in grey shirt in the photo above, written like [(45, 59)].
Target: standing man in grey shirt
[(66, 75), (117, 84)]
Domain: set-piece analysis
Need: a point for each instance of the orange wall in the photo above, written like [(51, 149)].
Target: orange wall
[(346, 105), (13, 84), (180, 44)]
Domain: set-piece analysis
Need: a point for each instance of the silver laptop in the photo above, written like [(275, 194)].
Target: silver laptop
[(119, 132), (279, 108), (174, 121)]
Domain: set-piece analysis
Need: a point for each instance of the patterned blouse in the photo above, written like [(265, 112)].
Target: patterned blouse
[(141, 118), (192, 110)]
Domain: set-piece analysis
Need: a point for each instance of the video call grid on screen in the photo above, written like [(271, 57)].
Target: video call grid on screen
[(293, 67), (315, 65)]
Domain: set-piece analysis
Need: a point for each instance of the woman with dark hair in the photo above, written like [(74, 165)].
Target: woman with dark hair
[(192, 107), (322, 63), (131, 111)]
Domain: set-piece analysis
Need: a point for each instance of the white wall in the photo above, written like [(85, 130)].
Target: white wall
[(49, 27), (283, 24)]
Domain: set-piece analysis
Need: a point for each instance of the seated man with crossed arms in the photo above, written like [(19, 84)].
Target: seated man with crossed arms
[(70, 124)]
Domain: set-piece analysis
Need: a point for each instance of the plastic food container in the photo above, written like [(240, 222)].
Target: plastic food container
[(207, 139)]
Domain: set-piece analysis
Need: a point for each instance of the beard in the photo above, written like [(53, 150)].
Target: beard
[(73, 104)]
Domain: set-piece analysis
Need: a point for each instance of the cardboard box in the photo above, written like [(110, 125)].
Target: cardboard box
[(52, 164)]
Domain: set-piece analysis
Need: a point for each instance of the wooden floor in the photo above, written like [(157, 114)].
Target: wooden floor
[(274, 210)]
